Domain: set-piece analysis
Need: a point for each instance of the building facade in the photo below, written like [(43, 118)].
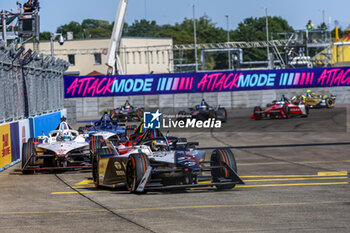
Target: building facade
[(137, 55)]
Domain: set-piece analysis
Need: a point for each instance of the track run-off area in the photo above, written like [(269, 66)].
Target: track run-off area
[(295, 173)]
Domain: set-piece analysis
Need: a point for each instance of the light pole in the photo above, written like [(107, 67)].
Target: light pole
[(228, 40), (195, 39), (267, 40), (52, 38)]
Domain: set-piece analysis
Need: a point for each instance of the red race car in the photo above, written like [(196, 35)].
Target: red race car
[(280, 109)]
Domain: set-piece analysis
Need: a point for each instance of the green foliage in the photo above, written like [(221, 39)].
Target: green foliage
[(250, 29), (44, 36), (142, 28), (254, 29)]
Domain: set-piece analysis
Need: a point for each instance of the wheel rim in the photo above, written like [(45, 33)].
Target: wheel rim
[(130, 175)]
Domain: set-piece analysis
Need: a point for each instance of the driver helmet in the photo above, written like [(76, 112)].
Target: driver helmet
[(105, 111)]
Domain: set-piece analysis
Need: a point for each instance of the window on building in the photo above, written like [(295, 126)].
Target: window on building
[(133, 57), (151, 57), (127, 57), (71, 59), (98, 59), (157, 57), (163, 57), (146, 57)]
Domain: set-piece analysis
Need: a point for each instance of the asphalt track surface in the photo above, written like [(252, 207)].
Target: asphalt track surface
[(296, 181)]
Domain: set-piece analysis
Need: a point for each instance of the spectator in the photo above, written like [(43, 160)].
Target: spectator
[(309, 27), (28, 6)]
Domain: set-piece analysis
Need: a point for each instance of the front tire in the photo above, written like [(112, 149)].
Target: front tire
[(135, 169), (219, 157)]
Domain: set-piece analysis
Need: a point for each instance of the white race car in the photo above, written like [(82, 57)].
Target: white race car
[(64, 148)]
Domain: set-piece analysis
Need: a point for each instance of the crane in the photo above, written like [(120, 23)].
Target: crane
[(113, 60)]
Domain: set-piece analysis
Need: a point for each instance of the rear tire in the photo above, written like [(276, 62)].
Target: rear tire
[(135, 169), (218, 158), (95, 171), (25, 158), (258, 116)]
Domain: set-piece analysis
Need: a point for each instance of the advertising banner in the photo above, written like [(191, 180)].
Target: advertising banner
[(15, 142), (172, 83), (5, 145)]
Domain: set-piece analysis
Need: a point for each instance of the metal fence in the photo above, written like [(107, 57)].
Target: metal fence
[(30, 83)]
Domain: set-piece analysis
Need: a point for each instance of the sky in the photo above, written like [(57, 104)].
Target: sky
[(55, 13)]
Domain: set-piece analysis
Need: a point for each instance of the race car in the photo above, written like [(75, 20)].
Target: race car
[(108, 129), (63, 148), (314, 100), (127, 113), (280, 109), (204, 111), (154, 163)]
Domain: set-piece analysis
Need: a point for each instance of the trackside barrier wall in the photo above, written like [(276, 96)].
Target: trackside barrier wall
[(230, 89), (14, 134)]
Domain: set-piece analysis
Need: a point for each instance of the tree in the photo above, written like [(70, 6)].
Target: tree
[(142, 28), (44, 36), (254, 29), (74, 27)]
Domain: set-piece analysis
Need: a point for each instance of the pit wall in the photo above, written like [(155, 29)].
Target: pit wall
[(94, 106), (14, 134)]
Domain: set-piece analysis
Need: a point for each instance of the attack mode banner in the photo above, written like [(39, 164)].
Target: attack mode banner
[(154, 84)]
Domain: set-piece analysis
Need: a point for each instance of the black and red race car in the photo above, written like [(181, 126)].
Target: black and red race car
[(280, 110), (127, 112)]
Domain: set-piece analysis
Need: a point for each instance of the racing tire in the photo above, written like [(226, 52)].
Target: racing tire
[(224, 114), (25, 158), (95, 171), (135, 170), (329, 103), (258, 116), (286, 111), (95, 144), (219, 157), (130, 130)]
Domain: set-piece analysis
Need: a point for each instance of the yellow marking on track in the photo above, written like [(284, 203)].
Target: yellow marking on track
[(293, 184), (176, 207), (340, 173), (75, 192), (314, 178), (305, 162), (85, 182), (81, 187)]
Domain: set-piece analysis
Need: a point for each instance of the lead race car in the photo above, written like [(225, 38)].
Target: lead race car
[(127, 112), (204, 111), (314, 100), (156, 163), (63, 148), (280, 109)]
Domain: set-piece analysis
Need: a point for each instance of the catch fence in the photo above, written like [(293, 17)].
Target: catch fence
[(30, 83)]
